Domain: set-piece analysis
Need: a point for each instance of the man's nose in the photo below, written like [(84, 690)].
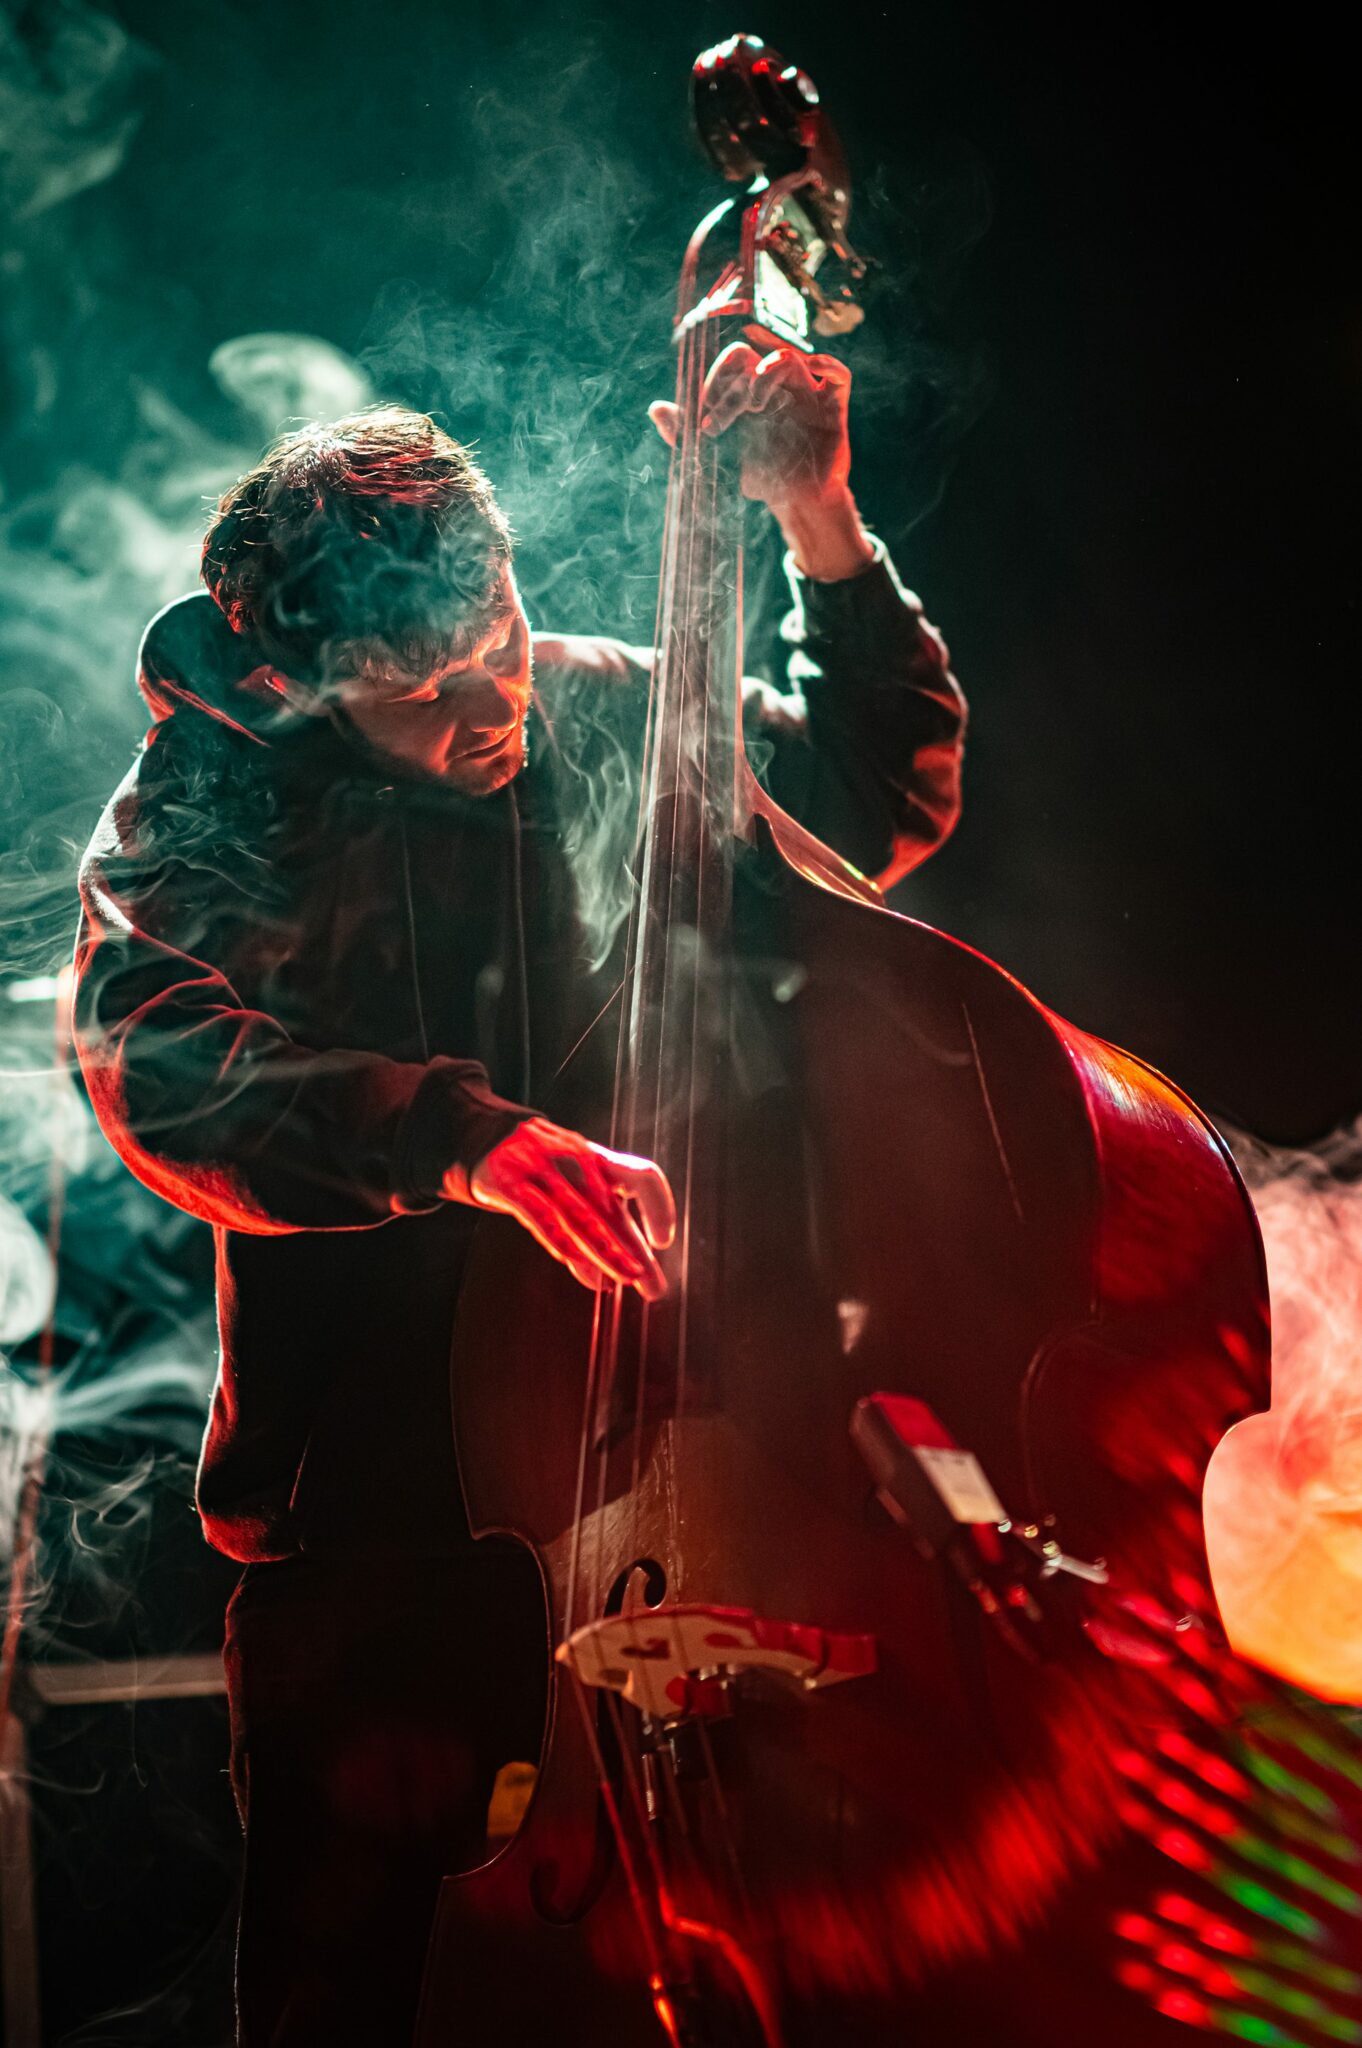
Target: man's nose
[(493, 703)]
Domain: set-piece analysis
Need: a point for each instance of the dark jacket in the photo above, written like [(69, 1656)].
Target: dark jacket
[(308, 987)]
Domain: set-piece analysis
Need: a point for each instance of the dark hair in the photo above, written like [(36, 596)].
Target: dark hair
[(363, 546)]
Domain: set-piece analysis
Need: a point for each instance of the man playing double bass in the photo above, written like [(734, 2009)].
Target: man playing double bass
[(337, 938)]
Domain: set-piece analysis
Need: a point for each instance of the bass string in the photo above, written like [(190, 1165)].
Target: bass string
[(603, 1350), (668, 704), (712, 848), (583, 1454), (646, 1921), (730, 645), (688, 975), (691, 966), (656, 978), (638, 1799), (603, 1355), (690, 962), (680, 667), (697, 539)]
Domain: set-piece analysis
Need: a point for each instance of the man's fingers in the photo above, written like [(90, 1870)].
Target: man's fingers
[(586, 1275), (666, 418), (828, 370), (607, 1234), (651, 1189), (727, 391), (596, 1247), (646, 1274), (733, 366), (615, 1178), (741, 381), (544, 1221), (575, 1200), (538, 1216), (782, 370), (786, 371), (600, 1187)]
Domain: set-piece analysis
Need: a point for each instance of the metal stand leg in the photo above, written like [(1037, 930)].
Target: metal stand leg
[(18, 1920)]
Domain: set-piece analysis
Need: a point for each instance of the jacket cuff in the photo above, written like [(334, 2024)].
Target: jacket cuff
[(855, 612), (453, 1121)]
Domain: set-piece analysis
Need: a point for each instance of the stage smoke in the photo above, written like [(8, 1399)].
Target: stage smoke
[(1284, 1491)]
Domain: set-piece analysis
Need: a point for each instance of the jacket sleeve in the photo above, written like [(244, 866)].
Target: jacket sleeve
[(209, 1101), (865, 747)]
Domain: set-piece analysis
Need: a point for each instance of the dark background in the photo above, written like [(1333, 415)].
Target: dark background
[(1108, 414)]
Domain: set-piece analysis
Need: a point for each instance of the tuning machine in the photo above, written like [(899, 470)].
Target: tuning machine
[(833, 312), (761, 123)]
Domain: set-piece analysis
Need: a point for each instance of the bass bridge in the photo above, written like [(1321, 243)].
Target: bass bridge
[(683, 1662)]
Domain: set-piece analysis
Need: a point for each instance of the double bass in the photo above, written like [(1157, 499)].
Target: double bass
[(868, 1549)]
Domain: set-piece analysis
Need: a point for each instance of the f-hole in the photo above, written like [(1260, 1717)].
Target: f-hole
[(654, 1587)]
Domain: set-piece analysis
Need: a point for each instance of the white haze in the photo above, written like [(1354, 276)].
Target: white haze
[(1284, 1492)]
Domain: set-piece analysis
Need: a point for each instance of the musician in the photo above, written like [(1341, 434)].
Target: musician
[(342, 921)]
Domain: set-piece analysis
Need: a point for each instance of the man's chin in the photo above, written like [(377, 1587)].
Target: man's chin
[(483, 777)]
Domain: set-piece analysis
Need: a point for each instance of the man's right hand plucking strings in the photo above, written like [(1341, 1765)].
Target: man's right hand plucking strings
[(606, 1215)]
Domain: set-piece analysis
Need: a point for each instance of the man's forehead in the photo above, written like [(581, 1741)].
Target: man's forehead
[(501, 606)]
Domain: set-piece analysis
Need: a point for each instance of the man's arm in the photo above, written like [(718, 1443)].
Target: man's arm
[(865, 748), (210, 1102)]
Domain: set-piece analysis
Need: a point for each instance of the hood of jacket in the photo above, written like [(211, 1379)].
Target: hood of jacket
[(191, 660)]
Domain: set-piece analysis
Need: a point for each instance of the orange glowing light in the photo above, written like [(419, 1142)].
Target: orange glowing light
[(1283, 1495)]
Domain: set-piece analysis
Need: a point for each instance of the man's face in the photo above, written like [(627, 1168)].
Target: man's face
[(465, 724)]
